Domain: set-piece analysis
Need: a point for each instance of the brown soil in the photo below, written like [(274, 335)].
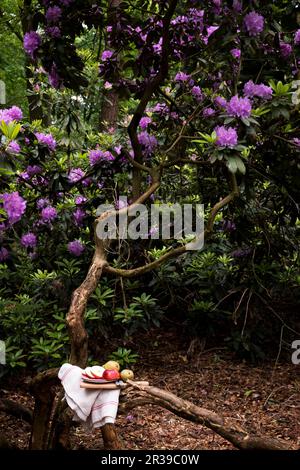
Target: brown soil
[(265, 399)]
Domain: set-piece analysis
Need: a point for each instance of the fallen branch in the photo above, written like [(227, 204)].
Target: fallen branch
[(16, 409), (238, 436)]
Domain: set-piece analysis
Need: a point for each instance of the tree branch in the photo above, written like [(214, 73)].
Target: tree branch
[(149, 90), (233, 433), (128, 273)]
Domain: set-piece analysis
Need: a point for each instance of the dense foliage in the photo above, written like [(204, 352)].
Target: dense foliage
[(226, 103)]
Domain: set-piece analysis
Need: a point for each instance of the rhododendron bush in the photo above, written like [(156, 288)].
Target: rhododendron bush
[(161, 102), (204, 90)]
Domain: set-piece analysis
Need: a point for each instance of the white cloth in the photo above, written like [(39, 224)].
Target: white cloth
[(93, 407)]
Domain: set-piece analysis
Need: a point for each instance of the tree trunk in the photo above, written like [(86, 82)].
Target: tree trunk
[(110, 103)]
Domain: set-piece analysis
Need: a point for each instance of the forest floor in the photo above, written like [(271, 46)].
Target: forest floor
[(264, 399)]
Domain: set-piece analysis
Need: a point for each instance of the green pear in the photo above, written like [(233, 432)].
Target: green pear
[(112, 365), (127, 374)]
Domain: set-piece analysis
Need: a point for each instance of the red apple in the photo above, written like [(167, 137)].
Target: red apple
[(111, 374)]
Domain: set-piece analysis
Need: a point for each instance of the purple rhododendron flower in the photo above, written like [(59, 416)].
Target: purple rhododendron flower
[(106, 55), (260, 90), (254, 23), (149, 142), (285, 49), (76, 248), (15, 113), (297, 37), (53, 32), (54, 78), (145, 122), (53, 14), (182, 77), (239, 107), (296, 141), (197, 93), (31, 42), (46, 139), (237, 6), (75, 175), (29, 240), (32, 170), (4, 254), (80, 200), (11, 114), (79, 215), (23, 176), (208, 112), (220, 101), (120, 204), (97, 155), (226, 136), (14, 205), (48, 214), (236, 53), (14, 147), (41, 203)]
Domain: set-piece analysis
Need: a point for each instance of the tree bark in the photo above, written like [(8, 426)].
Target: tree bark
[(110, 437), (110, 103), (42, 388)]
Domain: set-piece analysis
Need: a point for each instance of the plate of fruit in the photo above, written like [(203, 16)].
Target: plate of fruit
[(109, 372)]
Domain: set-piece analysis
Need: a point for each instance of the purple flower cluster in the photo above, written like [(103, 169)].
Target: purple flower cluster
[(145, 122), (48, 214), (260, 90), (41, 203), (75, 175), (53, 31), (254, 23), (183, 78), (197, 93), (11, 114), (297, 37), (106, 55), (14, 205), (296, 141), (237, 6), (79, 215), (208, 112), (80, 200), (226, 137), (76, 248), (53, 14), (97, 155), (29, 240), (14, 147), (285, 49), (54, 78), (32, 41), (4, 254), (239, 107), (220, 101), (33, 170), (47, 140), (236, 53), (149, 142)]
